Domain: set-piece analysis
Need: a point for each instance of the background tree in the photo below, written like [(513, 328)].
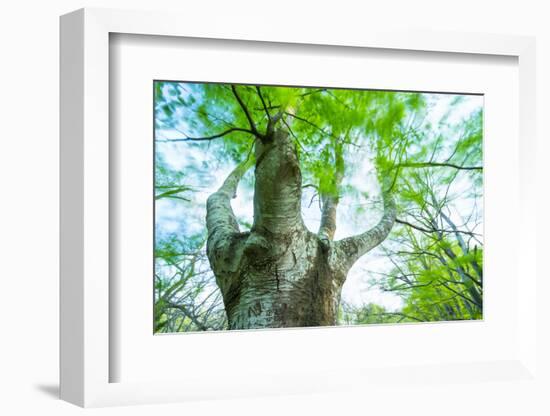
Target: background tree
[(302, 142), (438, 264)]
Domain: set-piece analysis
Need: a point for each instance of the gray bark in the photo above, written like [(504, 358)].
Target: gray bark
[(280, 274), (327, 228)]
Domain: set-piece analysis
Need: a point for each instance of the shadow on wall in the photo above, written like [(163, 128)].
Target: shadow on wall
[(51, 390)]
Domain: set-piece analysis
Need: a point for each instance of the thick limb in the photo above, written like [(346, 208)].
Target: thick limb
[(351, 249), (221, 222), (330, 200)]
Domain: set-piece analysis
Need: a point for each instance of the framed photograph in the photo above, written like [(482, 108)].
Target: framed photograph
[(237, 211), (259, 191)]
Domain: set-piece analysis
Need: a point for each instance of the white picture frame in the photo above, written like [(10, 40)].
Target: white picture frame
[(85, 264)]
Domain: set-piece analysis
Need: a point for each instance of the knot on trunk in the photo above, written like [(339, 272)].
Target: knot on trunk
[(256, 244), (324, 243)]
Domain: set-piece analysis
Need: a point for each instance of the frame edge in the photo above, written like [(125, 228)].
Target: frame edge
[(71, 202)]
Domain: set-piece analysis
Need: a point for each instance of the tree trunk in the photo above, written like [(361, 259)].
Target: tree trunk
[(279, 274)]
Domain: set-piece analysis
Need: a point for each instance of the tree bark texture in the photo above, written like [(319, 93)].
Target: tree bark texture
[(280, 274)]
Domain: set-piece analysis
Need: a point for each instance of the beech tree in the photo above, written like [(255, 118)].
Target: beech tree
[(275, 272)]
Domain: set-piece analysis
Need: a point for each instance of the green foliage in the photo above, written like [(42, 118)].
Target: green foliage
[(370, 313)]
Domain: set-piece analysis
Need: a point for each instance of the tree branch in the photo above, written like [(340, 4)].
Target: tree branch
[(206, 138), (263, 102), (353, 248), (432, 230), (246, 112), (173, 193), (329, 202), (191, 316), (399, 314), (315, 126), (309, 92), (435, 165), (221, 222), (465, 249)]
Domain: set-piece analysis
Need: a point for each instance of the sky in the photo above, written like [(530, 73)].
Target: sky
[(175, 216)]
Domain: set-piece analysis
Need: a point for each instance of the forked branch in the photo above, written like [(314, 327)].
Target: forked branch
[(246, 113), (264, 105)]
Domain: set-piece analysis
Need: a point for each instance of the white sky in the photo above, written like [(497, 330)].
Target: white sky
[(174, 216)]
